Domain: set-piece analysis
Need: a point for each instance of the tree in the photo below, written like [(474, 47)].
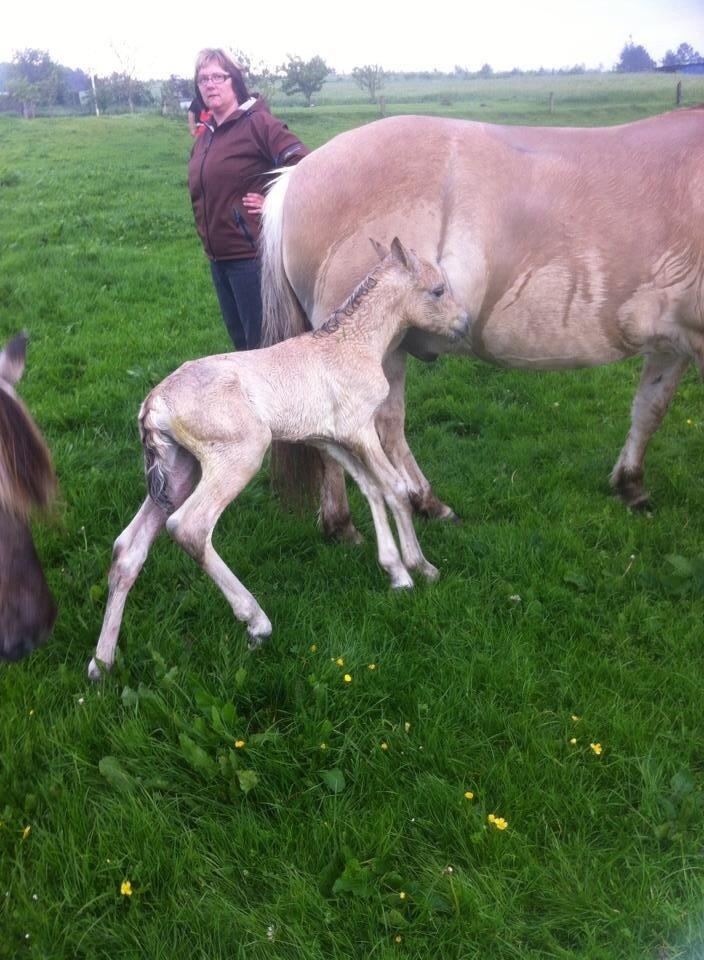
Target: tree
[(34, 80), (370, 77), (486, 71), (634, 59), (684, 54), (304, 76)]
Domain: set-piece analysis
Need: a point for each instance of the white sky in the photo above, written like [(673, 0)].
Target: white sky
[(161, 37)]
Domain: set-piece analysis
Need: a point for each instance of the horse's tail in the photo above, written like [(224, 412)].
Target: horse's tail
[(282, 314), (160, 452), (296, 470), (27, 478)]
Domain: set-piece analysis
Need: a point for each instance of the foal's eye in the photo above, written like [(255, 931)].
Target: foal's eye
[(438, 291)]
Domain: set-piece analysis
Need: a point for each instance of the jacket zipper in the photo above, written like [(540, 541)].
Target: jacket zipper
[(202, 191), (242, 224)]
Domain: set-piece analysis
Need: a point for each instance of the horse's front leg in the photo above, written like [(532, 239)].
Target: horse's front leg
[(390, 425), (335, 516), (658, 382)]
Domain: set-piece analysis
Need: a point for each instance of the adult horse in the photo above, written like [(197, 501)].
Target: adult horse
[(27, 609), (568, 248)]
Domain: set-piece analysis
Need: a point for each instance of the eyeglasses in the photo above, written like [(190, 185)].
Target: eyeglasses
[(217, 78)]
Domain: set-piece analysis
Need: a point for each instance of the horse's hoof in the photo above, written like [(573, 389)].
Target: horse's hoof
[(452, 517), (97, 670), (430, 572), (258, 631), (402, 581)]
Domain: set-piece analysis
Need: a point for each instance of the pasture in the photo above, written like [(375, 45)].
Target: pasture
[(263, 805)]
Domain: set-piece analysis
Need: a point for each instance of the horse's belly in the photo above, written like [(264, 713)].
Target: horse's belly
[(550, 318)]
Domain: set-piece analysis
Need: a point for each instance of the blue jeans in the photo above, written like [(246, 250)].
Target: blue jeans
[(237, 285)]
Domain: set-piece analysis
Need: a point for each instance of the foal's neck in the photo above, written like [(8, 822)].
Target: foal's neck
[(370, 315)]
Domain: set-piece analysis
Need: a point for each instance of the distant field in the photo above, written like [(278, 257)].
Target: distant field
[(343, 828)]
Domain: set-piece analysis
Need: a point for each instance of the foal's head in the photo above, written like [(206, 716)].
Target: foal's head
[(27, 609), (426, 302)]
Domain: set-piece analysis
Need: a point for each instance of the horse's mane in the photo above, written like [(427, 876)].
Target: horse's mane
[(348, 308), (26, 473)]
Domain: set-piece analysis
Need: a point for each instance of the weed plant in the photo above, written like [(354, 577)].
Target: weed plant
[(206, 802)]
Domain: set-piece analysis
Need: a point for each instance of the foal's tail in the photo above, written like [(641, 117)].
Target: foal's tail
[(162, 453), (296, 470)]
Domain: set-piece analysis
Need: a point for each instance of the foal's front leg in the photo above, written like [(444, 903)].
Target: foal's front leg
[(390, 425), (387, 551), (395, 493)]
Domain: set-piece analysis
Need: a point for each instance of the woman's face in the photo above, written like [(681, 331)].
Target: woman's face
[(218, 97)]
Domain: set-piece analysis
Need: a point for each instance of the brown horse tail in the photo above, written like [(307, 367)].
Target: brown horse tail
[(27, 476), (296, 470)]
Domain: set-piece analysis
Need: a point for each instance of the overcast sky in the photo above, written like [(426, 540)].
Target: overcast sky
[(161, 37)]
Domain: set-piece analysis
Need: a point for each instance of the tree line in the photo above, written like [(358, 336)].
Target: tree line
[(34, 80)]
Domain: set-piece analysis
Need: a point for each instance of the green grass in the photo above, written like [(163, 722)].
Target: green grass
[(282, 849)]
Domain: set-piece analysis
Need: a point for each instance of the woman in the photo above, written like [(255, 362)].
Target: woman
[(227, 174)]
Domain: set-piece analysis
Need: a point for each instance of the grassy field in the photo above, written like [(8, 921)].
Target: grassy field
[(258, 805)]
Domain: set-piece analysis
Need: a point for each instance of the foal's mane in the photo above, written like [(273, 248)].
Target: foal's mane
[(348, 308), (26, 473)]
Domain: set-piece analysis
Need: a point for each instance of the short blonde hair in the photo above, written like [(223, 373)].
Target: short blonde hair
[(229, 66)]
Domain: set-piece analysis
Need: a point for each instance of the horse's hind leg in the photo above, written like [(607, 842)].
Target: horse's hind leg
[(225, 473), (658, 382), (129, 553), (335, 516), (390, 425)]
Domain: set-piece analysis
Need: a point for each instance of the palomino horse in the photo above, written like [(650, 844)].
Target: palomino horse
[(27, 609), (567, 247), (206, 428)]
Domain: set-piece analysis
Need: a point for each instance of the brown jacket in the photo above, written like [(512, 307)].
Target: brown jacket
[(228, 161)]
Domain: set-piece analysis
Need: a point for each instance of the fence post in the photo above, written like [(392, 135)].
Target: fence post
[(678, 96), (551, 102), (382, 106)]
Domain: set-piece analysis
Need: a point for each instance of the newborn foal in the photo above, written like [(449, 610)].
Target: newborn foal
[(323, 388)]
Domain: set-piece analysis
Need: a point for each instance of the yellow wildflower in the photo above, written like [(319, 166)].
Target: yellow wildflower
[(313, 647), (323, 746), (398, 938), (26, 832), (340, 662), (574, 718), (407, 726), (597, 748), (573, 741), (371, 666), (126, 888), (384, 745), (468, 795), (348, 678), (402, 895), (239, 744), (31, 713), (498, 822)]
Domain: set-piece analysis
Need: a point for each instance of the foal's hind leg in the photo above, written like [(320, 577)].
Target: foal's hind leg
[(129, 553), (658, 382), (390, 425), (226, 472)]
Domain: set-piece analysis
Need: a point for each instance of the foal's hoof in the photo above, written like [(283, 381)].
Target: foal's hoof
[(97, 669), (430, 572), (258, 631), (401, 581)]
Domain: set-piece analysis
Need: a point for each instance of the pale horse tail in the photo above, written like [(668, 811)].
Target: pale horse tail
[(170, 470), (296, 470)]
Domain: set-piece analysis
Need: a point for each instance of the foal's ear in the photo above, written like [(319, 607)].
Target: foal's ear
[(12, 359), (404, 255), (381, 250)]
